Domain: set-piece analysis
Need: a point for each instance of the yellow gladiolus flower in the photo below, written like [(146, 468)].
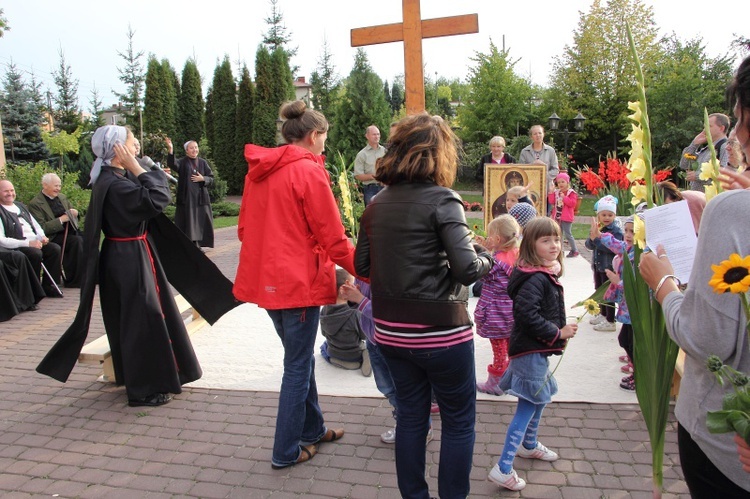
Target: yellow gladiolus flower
[(637, 113), (636, 134), (636, 150), (731, 275), (637, 169), (710, 191), (639, 232), (708, 171), (639, 191)]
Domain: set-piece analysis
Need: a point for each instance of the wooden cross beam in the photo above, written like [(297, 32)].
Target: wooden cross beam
[(411, 32)]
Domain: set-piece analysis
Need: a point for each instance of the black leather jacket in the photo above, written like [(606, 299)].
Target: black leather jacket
[(416, 248)]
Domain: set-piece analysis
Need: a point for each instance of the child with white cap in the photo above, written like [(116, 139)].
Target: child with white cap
[(601, 261)]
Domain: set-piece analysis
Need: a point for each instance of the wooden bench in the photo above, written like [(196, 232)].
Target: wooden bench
[(98, 352), (679, 368)]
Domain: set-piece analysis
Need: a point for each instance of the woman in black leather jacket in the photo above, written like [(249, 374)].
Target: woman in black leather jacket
[(415, 246)]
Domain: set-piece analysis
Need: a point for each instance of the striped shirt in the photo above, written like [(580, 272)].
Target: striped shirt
[(405, 335)]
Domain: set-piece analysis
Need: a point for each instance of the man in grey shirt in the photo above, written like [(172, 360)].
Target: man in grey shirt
[(698, 149), (364, 163)]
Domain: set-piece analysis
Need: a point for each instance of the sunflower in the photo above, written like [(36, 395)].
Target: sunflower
[(591, 306), (731, 275)]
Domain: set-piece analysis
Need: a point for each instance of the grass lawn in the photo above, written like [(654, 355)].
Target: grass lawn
[(221, 222)]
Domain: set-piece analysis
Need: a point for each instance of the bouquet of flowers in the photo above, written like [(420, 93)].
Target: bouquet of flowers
[(732, 276), (348, 197)]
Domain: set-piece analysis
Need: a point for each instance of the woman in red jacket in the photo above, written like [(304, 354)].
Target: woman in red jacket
[(292, 238)]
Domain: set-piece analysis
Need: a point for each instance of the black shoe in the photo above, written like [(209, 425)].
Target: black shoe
[(154, 400), (32, 308), (52, 292)]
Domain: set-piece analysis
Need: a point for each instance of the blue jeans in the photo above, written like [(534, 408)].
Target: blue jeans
[(450, 373), (299, 420), (369, 191), (382, 375)]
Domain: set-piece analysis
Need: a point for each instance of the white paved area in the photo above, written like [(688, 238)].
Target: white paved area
[(241, 351)]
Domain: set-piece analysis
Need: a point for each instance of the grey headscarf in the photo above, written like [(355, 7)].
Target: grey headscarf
[(103, 144)]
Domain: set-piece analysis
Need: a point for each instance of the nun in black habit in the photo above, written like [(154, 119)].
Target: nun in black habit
[(20, 289), (193, 215), (151, 350)]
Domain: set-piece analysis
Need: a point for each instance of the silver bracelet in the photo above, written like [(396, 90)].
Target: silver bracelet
[(663, 280)]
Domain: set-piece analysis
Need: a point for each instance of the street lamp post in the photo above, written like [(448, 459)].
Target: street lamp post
[(554, 126)]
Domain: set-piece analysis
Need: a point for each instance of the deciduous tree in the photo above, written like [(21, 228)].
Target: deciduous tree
[(595, 75), (497, 99)]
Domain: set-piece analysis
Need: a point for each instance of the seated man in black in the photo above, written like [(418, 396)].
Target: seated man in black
[(59, 220), (19, 231), (20, 290)]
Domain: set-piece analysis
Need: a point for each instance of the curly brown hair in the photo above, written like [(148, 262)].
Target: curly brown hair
[(422, 148)]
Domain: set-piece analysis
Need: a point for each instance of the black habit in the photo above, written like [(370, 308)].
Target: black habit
[(151, 350), (19, 288), (193, 215)]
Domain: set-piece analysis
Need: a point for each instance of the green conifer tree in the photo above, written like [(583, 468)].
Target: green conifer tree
[(133, 78), (224, 111), (67, 114), (243, 131), (363, 104), (20, 117), (190, 106), (265, 111)]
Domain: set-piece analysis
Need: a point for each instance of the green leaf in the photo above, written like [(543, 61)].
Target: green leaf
[(718, 422), (597, 296)]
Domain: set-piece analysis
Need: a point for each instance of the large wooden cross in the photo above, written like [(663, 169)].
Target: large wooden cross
[(411, 32)]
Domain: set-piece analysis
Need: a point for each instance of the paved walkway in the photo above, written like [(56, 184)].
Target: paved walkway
[(81, 439)]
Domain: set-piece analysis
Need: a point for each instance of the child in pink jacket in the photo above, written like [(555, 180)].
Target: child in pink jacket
[(563, 201)]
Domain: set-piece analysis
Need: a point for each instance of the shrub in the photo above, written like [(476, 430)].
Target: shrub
[(27, 180), (225, 209)]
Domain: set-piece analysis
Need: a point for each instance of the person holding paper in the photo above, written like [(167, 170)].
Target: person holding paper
[(696, 200)]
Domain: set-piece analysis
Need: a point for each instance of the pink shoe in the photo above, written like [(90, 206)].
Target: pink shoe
[(627, 368), (624, 359), (490, 386), (434, 409)]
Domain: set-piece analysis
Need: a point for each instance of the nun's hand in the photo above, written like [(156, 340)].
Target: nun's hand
[(127, 160)]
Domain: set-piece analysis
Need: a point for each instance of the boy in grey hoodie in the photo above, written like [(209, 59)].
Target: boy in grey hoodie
[(340, 325)]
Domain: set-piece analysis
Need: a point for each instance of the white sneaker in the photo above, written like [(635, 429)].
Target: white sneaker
[(597, 319), (605, 326), (510, 481), (389, 437), (539, 452)]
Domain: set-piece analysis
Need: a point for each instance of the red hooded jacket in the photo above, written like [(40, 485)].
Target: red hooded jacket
[(290, 229)]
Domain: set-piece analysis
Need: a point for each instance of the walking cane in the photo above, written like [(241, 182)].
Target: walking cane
[(49, 276), (62, 253)]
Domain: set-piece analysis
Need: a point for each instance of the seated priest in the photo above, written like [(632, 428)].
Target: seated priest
[(59, 220)]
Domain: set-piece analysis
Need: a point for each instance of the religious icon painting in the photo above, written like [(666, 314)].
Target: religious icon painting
[(498, 179)]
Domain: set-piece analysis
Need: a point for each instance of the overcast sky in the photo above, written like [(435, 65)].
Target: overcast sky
[(90, 33)]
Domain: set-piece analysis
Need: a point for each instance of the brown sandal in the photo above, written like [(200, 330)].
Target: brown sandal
[(332, 435), (306, 453)]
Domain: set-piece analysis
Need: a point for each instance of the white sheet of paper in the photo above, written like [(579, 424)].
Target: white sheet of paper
[(672, 226)]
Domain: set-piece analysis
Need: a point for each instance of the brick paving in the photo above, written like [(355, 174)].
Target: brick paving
[(80, 439)]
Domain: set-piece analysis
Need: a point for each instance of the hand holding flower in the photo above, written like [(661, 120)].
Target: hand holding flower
[(613, 277), (743, 449), (568, 331)]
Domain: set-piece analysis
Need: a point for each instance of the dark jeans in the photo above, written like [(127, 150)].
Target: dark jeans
[(450, 373), (382, 375), (299, 420), (369, 191), (703, 478), (607, 308)]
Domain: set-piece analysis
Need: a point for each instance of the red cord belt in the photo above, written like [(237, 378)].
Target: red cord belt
[(150, 259)]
